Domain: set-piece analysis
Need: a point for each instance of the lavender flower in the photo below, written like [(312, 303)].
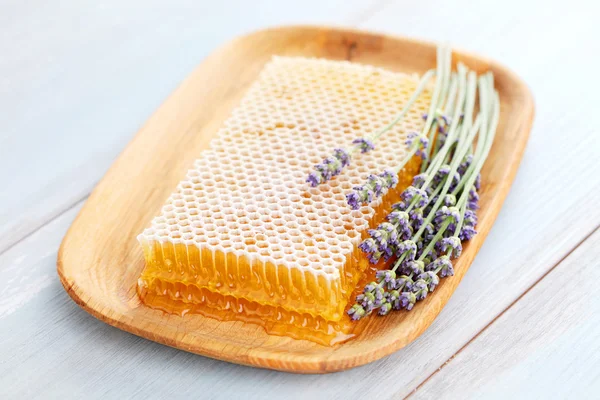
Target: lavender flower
[(399, 218), (420, 289), (356, 312), (385, 308), (470, 217), (431, 279), (330, 167), (445, 214), (421, 145), (462, 168), (368, 245), (449, 200), (365, 145), (415, 267), (394, 299), (424, 230), (419, 180), (416, 217), (404, 282), (375, 186), (451, 244), (443, 172), (399, 206), (443, 265), (419, 195), (407, 247), (387, 278), (467, 232), (473, 202), (407, 300), (366, 301)]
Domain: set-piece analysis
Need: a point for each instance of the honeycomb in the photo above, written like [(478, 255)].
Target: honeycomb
[(244, 231)]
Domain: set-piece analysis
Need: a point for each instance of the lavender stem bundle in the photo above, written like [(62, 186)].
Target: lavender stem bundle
[(424, 232)]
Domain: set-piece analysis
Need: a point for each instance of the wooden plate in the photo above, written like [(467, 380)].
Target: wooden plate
[(100, 260)]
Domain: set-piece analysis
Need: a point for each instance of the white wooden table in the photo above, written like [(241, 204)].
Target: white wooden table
[(77, 79)]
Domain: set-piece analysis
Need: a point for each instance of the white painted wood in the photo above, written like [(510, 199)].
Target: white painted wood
[(547, 346), (51, 348), (78, 79)]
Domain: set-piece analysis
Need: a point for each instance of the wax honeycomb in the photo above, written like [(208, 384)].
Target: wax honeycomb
[(244, 224)]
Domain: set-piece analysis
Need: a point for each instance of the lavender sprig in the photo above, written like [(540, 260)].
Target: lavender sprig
[(333, 165)]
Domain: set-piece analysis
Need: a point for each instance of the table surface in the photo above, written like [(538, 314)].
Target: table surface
[(78, 79)]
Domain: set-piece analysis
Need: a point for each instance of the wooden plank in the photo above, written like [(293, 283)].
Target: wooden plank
[(545, 346), (78, 80)]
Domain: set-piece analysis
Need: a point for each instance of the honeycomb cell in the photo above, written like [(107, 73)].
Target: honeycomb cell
[(244, 225)]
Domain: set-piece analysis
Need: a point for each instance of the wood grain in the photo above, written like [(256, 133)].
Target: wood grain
[(99, 260), (539, 347)]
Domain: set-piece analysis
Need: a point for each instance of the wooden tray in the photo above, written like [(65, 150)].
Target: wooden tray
[(100, 260)]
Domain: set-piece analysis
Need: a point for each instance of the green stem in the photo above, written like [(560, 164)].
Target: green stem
[(435, 239)]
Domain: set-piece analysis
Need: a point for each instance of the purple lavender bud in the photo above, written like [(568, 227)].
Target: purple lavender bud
[(325, 171), (415, 267), (343, 156), (399, 218), (333, 165), (360, 195), (375, 257), (379, 296), (353, 200), (368, 245), (394, 299), (429, 232), (356, 312), (416, 217), (473, 201), (451, 244), (467, 232), (445, 214), (385, 309), (370, 287), (420, 289), (462, 168), (419, 179), (411, 193), (390, 178), (365, 145), (330, 167), (400, 206), (406, 233), (478, 182), (385, 276), (404, 282), (409, 248), (314, 179), (431, 279), (449, 200), (443, 265), (470, 217), (408, 300), (376, 184)]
